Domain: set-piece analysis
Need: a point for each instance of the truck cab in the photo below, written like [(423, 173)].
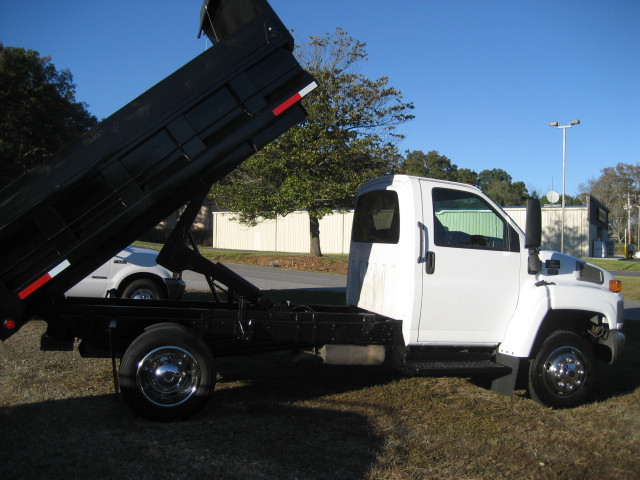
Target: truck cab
[(449, 263)]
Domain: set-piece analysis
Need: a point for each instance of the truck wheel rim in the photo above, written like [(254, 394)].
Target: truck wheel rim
[(168, 376), (565, 371), (142, 294)]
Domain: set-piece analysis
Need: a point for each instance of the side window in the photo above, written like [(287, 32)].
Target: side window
[(377, 218), (464, 220)]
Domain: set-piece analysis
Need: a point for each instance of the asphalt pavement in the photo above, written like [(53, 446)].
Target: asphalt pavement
[(623, 273), (273, 278)]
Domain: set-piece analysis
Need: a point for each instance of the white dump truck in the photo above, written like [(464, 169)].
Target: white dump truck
[(441, 281)]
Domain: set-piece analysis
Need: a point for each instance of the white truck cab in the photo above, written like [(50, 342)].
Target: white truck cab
[(472, 289)]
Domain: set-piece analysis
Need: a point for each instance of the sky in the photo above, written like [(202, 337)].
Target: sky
[(486, 76)]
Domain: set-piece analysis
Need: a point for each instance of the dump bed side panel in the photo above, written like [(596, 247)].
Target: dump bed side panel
[(135, 168)]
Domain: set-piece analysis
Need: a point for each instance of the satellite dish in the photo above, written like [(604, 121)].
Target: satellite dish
[(553, 196)]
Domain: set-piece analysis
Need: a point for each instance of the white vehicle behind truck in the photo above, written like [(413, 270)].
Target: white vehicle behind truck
[(474, 294), (132, 273)]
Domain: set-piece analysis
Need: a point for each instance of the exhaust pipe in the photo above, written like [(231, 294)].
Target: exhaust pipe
[(353, 354)]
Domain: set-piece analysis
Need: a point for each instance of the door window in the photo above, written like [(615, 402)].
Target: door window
[(464, 220)]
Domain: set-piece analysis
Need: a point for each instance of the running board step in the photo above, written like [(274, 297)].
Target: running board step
[(437, 368)]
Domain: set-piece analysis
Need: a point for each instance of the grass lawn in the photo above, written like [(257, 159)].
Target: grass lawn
[(276, 417), (326, 264), (615, 265), (630, 288)]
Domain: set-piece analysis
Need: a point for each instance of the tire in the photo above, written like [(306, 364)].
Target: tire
[(143, 289), (167, 373), (563, 372)]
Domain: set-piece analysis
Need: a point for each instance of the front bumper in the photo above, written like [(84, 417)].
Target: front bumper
[(614, 340)]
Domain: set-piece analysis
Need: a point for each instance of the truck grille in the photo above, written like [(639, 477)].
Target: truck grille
[(588, 273)]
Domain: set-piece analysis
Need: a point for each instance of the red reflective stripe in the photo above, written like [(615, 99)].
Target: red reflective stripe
[(288, 103), (34, 286), (43, 279), (294, 99)]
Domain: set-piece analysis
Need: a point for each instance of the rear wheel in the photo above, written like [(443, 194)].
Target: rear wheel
[(167, 373), (563, 372)]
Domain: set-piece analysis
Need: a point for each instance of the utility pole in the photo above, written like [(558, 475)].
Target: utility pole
[(564, 163), (638, 222), (628, 218)]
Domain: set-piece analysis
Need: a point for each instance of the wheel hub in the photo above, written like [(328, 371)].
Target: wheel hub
[(564, 371), (168, 376), (142, 294)]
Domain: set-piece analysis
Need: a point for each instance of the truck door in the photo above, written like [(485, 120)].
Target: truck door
[(471, 271)]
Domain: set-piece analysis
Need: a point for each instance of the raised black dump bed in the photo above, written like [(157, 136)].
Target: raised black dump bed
[(165, 148)]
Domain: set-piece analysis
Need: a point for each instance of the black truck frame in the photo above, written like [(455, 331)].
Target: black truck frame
[(160, 152)]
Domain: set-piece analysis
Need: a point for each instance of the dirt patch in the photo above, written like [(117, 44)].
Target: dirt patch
[(325, 264)]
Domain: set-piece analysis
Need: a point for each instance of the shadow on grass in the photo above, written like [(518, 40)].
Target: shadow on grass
[(623, 376), (256, 426)]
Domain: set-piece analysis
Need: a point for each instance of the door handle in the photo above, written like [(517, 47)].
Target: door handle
[(422, 256), (431, 263), (426, 257)]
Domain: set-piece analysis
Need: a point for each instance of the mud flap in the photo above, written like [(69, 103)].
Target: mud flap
[(505, 385)]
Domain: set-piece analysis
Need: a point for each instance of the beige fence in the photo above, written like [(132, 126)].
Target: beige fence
[(285, 234), (291, 233), (576, 228)]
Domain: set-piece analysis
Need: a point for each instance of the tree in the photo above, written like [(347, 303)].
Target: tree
[(434, 165), (415, 164), (496, 183), (466, 175), (613, 188), (348, 137), (38, 111), (499, 185)]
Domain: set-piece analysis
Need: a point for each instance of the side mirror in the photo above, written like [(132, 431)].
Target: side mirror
[(533, 230), (533, 234)]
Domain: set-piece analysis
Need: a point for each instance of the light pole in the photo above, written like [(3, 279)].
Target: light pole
[(564, 169)]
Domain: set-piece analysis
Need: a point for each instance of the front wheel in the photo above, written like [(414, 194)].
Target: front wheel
[(563, 372), (167, 373), (143, 289)]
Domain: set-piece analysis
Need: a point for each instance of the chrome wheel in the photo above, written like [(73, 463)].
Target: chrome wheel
[(168, 376), (564, 371), (142, 294), (167, 373), (561, 374)]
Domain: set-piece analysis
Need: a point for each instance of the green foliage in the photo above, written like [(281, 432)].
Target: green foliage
[(434, 165), (348, 138), (499, 186), (496, 183), (617, 187), (38, 114)]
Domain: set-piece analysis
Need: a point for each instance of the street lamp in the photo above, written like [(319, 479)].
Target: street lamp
[(564, 163)]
